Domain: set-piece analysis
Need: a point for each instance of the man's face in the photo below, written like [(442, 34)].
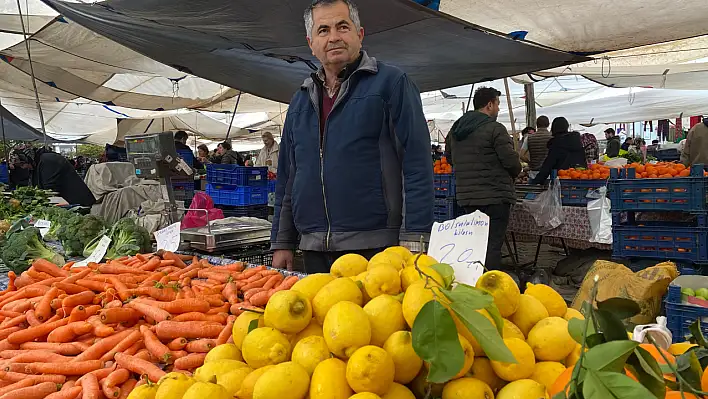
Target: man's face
[(220, 149), (608, 135), (493, 108), (335, 40), (267, 140)]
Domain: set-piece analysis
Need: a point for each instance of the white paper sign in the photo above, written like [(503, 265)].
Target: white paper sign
[(97, 254), (168, 238), (462, 244), (43, 226)]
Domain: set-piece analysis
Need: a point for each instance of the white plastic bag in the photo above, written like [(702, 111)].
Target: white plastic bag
[(658, 331), (600, 217), (547, 209)]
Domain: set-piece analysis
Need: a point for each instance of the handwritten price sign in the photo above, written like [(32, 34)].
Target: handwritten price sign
[(462, 244)]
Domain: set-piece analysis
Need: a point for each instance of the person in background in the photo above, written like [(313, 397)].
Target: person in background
[(203, 154), (181, 145), (613, 143), (229, 156), (485, 167), (639, 147), (215, 157), (592, 150), (537, 145), (565, 150), (269, 153), (695, 145), (654, 146), (627, 143), (525, 135), (45, 169), (354, 156)]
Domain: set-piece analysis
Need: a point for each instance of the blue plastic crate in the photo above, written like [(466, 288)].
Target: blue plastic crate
[(188, 156), (446, 209), (4, 174), (574, 192), (183, 184), (235, 175), (237, 195), (685, 194), (680, 316), (254, 211), (666, 241), (444, 185), (271, 186)]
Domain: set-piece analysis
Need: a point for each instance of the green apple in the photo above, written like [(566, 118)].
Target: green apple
[(688, 291), (702, 292)]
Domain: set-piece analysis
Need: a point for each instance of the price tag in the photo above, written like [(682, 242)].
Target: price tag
[(43, 226), (462, 244), (168, 238), (97, 254)]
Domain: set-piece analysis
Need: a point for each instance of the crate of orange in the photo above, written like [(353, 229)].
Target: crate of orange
[(659, 187), (660, 240), (443, 179), (577, 183)]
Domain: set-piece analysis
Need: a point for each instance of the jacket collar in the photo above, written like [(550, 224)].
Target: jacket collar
[(363, 63)]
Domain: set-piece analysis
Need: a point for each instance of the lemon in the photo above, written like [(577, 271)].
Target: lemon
[(469, 356), (680, 348), (210, 370), (329, 381), (233, 380), (573, 314), (382, 280), (525, 361), (365, 395), (403, 252), (224, 351), (530, 312), (482, 370), (288, 311), (385, 317), (284, 381), (420, 386), (574, 356), (512, 331), (338, 290), (314, 329), (467, 388), (546, 373), (421, 260), (523, 389), (173, 387), (349, 265), (246, 391), (200, 390), (550, 339), (554, 303), (264, 346), (346, 329), (398, 391), (359, 280), (386, 258), (370, 369), (241, 324), (407, 363), (417, 295), (410, 275), (312, 284), (504, 290), (309, 352), (144, 392)]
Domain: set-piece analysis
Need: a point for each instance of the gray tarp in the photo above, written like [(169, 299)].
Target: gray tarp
[(260, 47), (16, 129)]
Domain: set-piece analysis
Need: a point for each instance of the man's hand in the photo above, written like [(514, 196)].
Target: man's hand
[(283, 259)]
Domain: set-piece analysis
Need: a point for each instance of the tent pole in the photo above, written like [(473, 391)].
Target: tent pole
[(233, 115), (469, 99), (530, 104), (34, 82), (2, 128), (511, 115)]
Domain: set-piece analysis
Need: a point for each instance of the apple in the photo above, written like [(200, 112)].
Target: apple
[(702, 292), (688, 291)]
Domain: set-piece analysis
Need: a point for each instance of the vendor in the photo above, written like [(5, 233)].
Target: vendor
[(181, 145), (565, 150), (49, 171), (269, 153), (613, 143)]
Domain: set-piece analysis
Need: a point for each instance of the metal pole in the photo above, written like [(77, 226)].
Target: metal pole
[(233, 115), (511, 115), (2, 128), (530, 99), (469, 99), (34, 82)]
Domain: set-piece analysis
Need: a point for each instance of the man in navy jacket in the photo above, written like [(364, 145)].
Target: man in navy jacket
[(354, 165)]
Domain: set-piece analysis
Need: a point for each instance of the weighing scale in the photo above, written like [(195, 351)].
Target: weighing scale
[(228, 234)]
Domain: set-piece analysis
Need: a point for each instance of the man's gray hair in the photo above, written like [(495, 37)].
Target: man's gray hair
[(353, 13)]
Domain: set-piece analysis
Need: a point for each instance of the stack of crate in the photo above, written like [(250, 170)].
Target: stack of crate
[(239, 190), (445, 206)]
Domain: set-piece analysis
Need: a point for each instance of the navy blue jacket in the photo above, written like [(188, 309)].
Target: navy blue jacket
[(348, 191)]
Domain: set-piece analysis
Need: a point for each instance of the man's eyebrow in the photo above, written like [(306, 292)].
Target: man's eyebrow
[(322, 26), (343, 22)]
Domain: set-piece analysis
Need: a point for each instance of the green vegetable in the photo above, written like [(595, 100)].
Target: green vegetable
[(127, 238), (57, 216), (23, 247), (78, 231)]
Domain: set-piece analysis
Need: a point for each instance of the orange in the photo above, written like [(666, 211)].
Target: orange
[(561, 383), (654, 351), (685, 173), (677, 395), (640, 169)]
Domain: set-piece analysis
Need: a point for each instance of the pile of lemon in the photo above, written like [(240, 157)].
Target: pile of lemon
[(346, 335)]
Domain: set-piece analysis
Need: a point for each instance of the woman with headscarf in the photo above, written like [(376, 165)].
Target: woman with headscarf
[(592, 150), (565, 150)]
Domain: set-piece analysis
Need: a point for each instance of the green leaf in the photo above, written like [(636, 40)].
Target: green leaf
[(576, 328), (485, 333), (611, 326), (697, 333), (620, 307), (594, 340), (665, 369), (690, 369), (608, 385), (469, 297), (498, 320), (610, 356), (645, 364), (435, 341), (252, 325), (446, 272)]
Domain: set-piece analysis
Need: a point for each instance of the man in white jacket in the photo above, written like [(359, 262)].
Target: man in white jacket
[(269, 153)]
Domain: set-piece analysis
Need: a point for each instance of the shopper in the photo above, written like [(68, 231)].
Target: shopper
[(269, 153), (538, 145), (354, 144), (565, 150), (613, 143), (485, 167), (592, 150), (203, 154), (695, 146), (229, 156)]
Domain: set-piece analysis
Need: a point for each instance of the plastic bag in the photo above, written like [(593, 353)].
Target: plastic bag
[(547, 208), (658, 331), (195, 218), (600, 217)]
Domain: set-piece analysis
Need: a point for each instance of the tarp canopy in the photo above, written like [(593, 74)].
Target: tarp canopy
[(13, 128), (259, 47)]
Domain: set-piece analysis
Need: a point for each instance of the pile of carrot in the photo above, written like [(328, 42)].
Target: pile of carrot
[(101, 330)]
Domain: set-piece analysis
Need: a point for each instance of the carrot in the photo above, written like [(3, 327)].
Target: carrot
[(14, 386), (171, 256), (190, 361), (45, 266), (179, 305), (151, 264), (200, 346), (11, 284), (190, 330), (36, 379), (154, 346), (109, 391), (91, 389), (191, 316), (97, 350), (7, 313), (118, 268), (93, 285), (13, 322), (236, 267), (39, 391), (4, 345), (127, 388), (21, 305), (133, 349), (273, 281), (68, 368), (227, 331), (100, 329), (255, 284), (24, 280), (177, 344), (104, 372), (32, 318), (127, 342), (214, 300), (118, 377), (32, 333), (253, 291), (69, 393), (260, 298), (178, 354), (69, 384), (74, 277), (83, 298), (248, 273), (119, 315), (287, 283), (144, 354), (70, 288), (161, 294), (40, 356), (68, 349), (69, 332), (153, 312), (139, 366)]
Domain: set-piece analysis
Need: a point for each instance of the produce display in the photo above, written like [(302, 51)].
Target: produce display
[(441, 166), (523, 177), (658, 170)]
